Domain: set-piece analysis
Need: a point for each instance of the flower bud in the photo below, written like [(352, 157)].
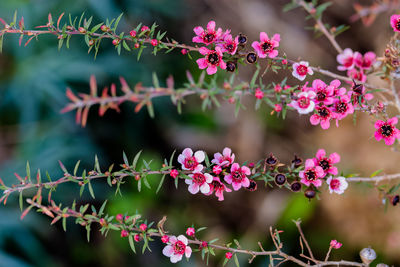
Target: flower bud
[(137, 45), (165, 239), (104, 28), (190, 231), (184, 51), (119, 217), (132, 33), (124, 233), (367, 255), (116, 41), (228, 255), (82, 30), (143, 227), (395, 200), (137, 238), (154, 42), (91, 42)]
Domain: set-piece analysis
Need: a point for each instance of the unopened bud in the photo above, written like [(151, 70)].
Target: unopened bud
[(367, 255)]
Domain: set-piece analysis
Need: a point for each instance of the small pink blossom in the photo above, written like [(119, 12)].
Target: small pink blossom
[(335, 244), (208, 36), (341, 108), (322, 116), (219, 188), (154, 42), (212, 60), (190, 231), (199, 182), (144, 29), (259, 94), (357, 75), (173, 173), (366, 61), (337, 184), (132, 33), (346, 59), (311, 174), (229, 44), (137, 238), (324, 93), (301, 69), (176, 248), (278, 108), (143, 227), (228, 255), (124, 233), (184, 51), (395, 22), (326, 163), (284, 61), (387, 131), (191, 162), (225, 159), (119, 217), (278, 88), (217, 169), (238, 177), (165, 239), (304, 103), (266, 47)]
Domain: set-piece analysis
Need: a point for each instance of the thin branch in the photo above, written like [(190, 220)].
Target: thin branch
[(298, 225)]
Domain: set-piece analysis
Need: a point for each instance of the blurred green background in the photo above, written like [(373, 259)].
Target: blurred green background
[(33, 80)]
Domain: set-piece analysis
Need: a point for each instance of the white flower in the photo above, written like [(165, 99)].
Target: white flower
[(304, 103), (199, 182), (337, 184), (177, 246), (190, 162), (301, 69)]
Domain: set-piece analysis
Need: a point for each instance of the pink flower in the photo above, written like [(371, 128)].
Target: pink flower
[(346, 59), (124, 233), (323, 117), (304, 103), (199, 182), (311, 174), (208, 36), (212, 59), (341, 108), (190, 162), (165, 239), (218, 187), (357, 75), (143, 227), (366, 61), (119, 217), (387, 131), (154, 42), (190, 231), (132, 33), (217, 169), (266, 46), (395, 22), (228, 255), (278, 108), (177, 246), (335, 244), (225, 159), (337, 184), (259, 94), (229, 44), (173, 173), (324, 93), (238, 177), (137, 238), (326, 163), (301, 69)]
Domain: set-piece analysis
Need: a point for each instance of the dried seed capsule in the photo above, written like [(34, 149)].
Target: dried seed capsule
[(242, 39), (395, 200), (295, 186), (251, 57), (230, 66), (280, 179), (253, 186), (297, 161), (310, 193), (271, 160)]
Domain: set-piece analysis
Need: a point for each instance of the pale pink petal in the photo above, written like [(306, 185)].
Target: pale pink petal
[(211, 70), (188, 252), (305, 182), (273, 53), (197, 39), (246, 170), (228, 178), (183, 239), (246, 182), (333, 171), (175, 258), (235, 167), (200, 156), (205, 188), (378, 124), (334, 157), (389, 140), (198, 30), (317, 183), (320, 153), (392, 121), (187, 152), (193, 188), (314, 119), (222, 64), (202, 62), (325, 124), (263, 37), (276, 37), (168, 251), (236, 186), (211, 26), (309, 164), (209, 178), (203, 50)]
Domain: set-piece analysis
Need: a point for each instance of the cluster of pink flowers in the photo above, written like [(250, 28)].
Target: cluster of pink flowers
[(224, 172), (355, 63), (222, 42), (318, 168), (329, 102)]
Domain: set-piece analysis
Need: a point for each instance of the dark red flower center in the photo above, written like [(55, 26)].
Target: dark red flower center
[(323, 112), (213, 58), (341, 107), (387, 130), (398, 24), (335, 184), (217, 186), (267, 46), (237, 176), (199, 178), (324, 163), (302, 70), (179, 247), (321, 95), (209, 37), (230, 47), (310, 175), (304, 102), (348, 62), (191, 163)]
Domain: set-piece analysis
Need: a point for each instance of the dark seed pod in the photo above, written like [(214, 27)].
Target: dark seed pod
[(271, 160), (253, 186), (357, 88), (230, 66), (297, 161), (310, 193), (395, 200), (251, 57), (242, 39), (295, 186), (280, 179)]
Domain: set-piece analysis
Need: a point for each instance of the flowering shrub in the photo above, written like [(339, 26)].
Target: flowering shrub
[(331, 98)]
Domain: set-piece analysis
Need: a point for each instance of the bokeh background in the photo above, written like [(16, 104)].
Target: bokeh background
[(33, 80)]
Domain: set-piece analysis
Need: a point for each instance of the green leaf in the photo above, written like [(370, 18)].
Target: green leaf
[(88, 232), (132, 243), (117, 22), (126, 46), (236, 260), (96, 164), (28, 171), (91, 190), (21, 203), (125, 159), (155, 80), (76, 167), (102, 208), (135, 160), (375, 173), (1, 43), (64, 223), (161, 183)]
